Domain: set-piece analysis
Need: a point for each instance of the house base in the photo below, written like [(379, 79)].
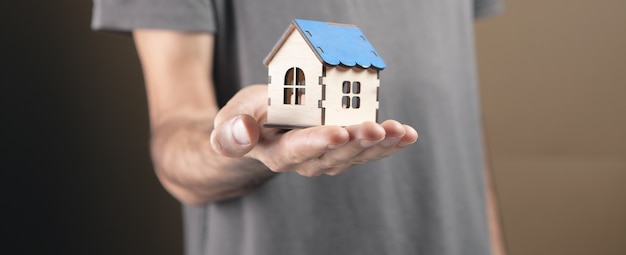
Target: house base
[(283, 126)]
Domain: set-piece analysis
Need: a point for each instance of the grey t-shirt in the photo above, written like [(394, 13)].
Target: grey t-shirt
[(427, 199)]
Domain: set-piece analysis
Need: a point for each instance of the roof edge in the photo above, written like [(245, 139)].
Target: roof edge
[(295, 26), (311, 46), (279, 44)]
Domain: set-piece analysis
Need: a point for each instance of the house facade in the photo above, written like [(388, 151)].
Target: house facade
[(322, 74)]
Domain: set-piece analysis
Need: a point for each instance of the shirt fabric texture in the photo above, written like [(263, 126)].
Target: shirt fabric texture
[(426, 199)]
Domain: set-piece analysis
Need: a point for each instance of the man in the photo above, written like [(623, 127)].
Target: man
[(252, 190)]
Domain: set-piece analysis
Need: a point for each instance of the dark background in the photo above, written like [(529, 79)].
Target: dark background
[(76, 170)]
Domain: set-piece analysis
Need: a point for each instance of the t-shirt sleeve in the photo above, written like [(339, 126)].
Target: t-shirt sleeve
[(126, 15), (484, 8)]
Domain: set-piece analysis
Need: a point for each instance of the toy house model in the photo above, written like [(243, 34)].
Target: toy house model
[(322, 74)]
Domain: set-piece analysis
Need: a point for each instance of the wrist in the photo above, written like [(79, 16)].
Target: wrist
[(193, 172)]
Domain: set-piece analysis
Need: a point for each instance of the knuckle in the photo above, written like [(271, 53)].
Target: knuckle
[(331, 163), (293, 158)]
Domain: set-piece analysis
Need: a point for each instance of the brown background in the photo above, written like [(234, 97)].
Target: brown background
[(77, 178), (553, 79)]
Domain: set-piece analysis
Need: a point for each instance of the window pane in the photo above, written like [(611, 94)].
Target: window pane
[(288, 92), (356, 87), (356, 102), (345, 102), (300, 95), (346, 87), (289, 77), (299, 76)]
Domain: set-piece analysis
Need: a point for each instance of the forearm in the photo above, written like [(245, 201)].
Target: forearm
[(191, 171), (177, 72)]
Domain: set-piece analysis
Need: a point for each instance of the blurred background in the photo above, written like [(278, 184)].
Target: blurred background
[(77, 177), (553, 81)]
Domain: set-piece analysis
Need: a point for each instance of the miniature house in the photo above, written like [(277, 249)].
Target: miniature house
[(322, 74)]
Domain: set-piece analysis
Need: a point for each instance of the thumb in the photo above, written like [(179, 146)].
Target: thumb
[(235, 137)]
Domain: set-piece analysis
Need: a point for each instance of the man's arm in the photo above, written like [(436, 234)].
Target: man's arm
[(177, 71), (203, 154)]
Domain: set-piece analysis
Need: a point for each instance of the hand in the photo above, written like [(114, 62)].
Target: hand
[(311, 151)]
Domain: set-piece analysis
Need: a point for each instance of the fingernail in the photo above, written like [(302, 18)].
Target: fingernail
[(389, 141), (240, 133), (366, 143)]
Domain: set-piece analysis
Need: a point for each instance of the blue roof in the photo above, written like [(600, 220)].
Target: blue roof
[(340, 44)]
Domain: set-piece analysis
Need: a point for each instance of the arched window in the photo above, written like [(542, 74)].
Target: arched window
[(294, 90)]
